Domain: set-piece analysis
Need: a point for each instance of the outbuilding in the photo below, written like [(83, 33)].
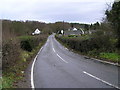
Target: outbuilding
[(36, 32)]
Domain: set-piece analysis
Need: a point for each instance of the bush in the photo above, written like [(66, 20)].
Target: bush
[(72, 35), (11, 49), (85, 45), (10, 53), (25, 45), (29, 43)]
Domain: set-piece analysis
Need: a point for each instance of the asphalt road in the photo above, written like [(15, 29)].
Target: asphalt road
[(57, 67)]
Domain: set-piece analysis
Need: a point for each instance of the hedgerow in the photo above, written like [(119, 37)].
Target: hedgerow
[(98, 43)]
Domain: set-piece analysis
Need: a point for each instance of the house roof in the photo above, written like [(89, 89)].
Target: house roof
[(74, 29), (73, 32), (37, 31)]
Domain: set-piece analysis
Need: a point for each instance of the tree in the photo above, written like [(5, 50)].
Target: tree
[(113, 16), (86, 26)]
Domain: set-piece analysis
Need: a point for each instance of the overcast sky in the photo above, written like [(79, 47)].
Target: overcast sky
[(82, 11)]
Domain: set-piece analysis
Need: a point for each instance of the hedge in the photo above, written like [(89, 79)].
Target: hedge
[(12, 49), (99, 43)]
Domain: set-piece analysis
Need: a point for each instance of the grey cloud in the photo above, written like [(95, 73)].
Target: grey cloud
[(87, 12)]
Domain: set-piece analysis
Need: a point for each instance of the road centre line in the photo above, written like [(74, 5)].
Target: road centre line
[(53, 49), (61, 58), (33, 64), (32, 68), (93, 75), (58, 54), (100, 80)]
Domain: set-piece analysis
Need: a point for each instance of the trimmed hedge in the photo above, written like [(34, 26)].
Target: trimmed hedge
[(99, 43)]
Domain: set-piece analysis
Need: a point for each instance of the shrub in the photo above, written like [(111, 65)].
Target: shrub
[(29, 43), (72, 35), (25, 45), (10, 53), (99, 43)]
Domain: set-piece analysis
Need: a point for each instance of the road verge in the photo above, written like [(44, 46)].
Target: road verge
[(86, 55)]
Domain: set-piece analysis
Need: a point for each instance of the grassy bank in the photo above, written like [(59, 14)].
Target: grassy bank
[(28, 48), (96, 48), (115, 57)]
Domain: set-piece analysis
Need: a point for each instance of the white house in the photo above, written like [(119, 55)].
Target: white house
[(36, 32), (74, 29), (62, 31)]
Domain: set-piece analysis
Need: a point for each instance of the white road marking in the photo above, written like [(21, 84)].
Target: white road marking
[(115, 64), (66, 48), (58, 54), (53, 49), (101, 80), (32, 68), (48, 40), (62, 58)]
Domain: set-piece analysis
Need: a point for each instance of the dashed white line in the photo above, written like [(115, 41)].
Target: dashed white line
[(32, 68), (100, 80), (59, 55), (62, 58), (53, 49)]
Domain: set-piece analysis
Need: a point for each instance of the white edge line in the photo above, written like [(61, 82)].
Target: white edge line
[(115, 64), (101, 80), (32, 81), (62, 58)]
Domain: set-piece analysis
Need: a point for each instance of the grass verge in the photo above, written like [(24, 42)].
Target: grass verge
[(110, 56)]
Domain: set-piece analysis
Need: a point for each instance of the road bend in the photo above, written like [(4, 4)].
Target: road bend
[(57, 67)]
